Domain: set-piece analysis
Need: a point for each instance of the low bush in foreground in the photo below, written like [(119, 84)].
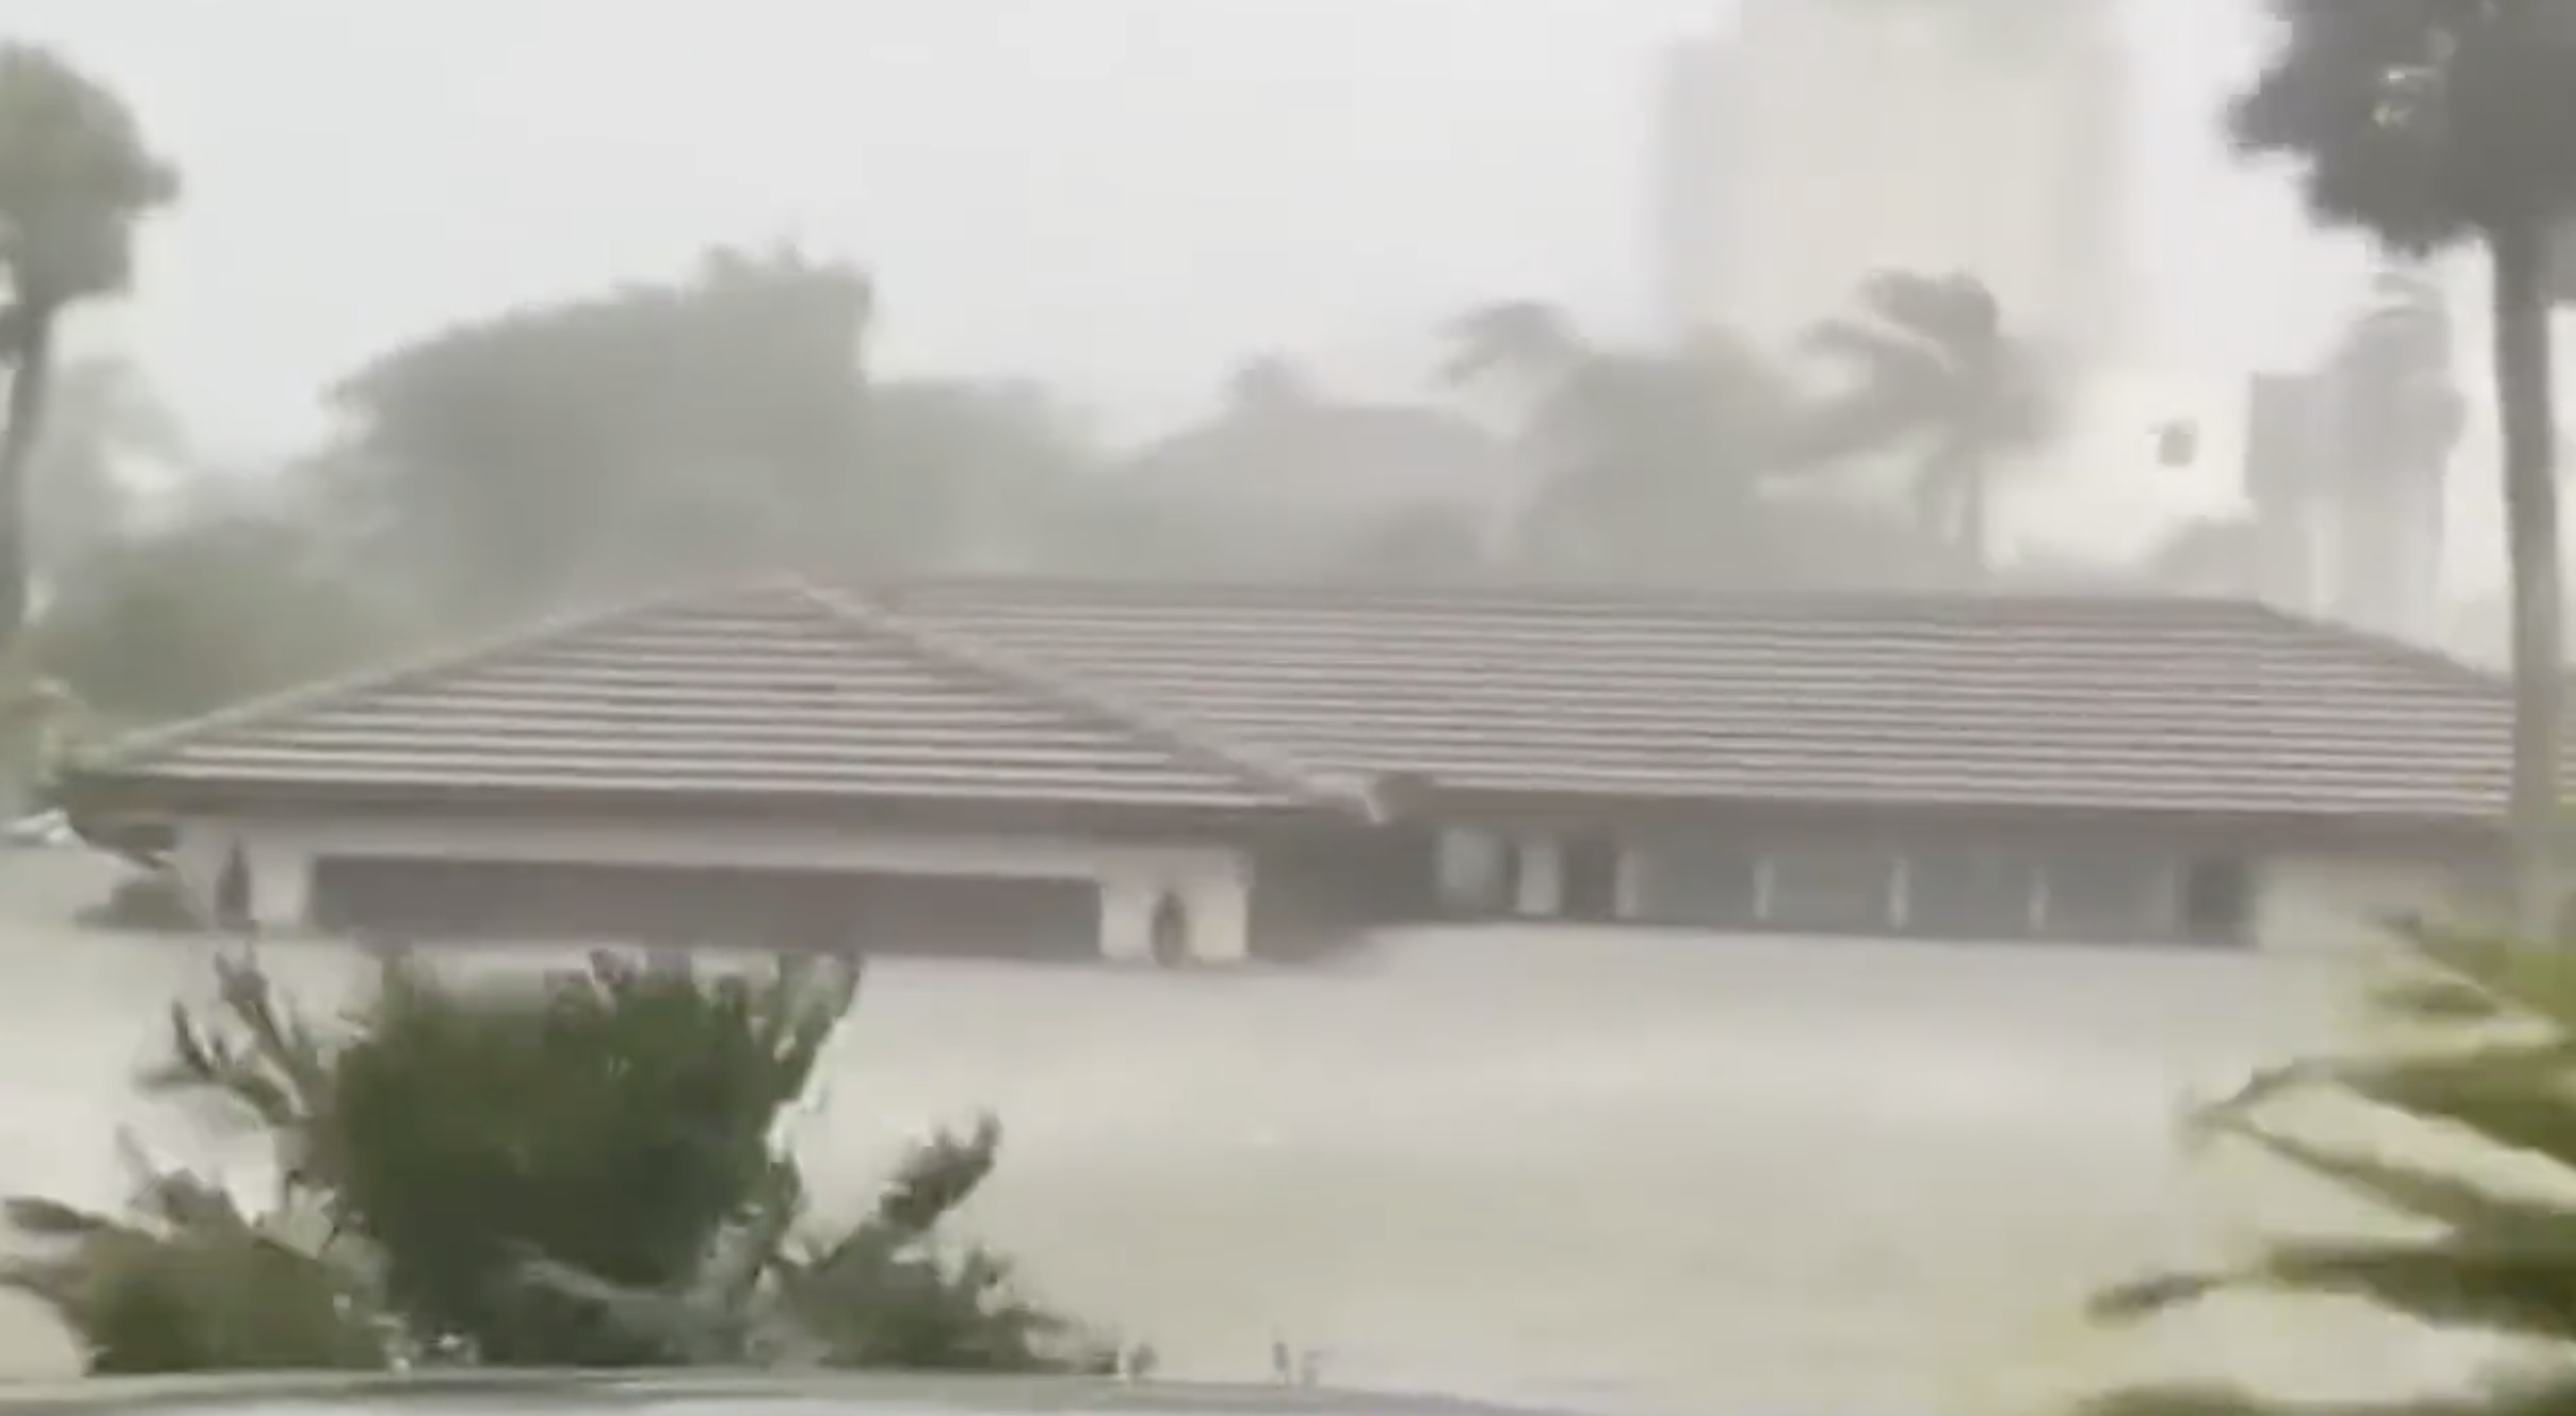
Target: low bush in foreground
[(582, 1170)]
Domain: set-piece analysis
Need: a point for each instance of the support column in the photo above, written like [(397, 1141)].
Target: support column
[(1472, 867), (1127, 918), (1628, 884), (281, 887), (1219, 902), (197, 858), (1540, 892)]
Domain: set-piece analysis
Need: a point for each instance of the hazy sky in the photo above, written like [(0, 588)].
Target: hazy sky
[(1119, 195)]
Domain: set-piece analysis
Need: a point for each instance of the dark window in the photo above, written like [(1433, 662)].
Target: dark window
[(233, 891), (2217, 902), (1699, 883), (1970, 894), (2110, 896), (1831, 891), (1590, 878), (1171, 931), (1476, 872)]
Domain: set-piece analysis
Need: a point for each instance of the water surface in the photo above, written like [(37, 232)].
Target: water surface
[(1662, 1172)]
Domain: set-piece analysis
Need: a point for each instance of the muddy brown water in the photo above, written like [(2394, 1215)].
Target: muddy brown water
[(1628, 1171)]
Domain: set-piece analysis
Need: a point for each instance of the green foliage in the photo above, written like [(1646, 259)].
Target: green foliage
[(2486, 1055), (884, 1293), (2422, 122), (189, 1283), (613, 1122), (582, 1170)]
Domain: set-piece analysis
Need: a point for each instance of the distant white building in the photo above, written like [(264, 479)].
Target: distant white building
[(1825, 139)]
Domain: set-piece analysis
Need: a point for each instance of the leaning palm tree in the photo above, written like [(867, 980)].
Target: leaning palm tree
[(1937, 370), (1653, 462), (2434, 124), (2488, 1062), (75, 179)]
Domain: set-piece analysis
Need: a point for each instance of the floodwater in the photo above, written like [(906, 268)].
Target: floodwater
[(1624, 1171)]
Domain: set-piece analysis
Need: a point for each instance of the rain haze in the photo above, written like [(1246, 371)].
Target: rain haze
[(1167, 288)]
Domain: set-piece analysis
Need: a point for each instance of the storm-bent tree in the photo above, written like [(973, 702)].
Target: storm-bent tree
[(1937, 369), (2430, 124), (76, 177), (1665, 464), (645, 435)]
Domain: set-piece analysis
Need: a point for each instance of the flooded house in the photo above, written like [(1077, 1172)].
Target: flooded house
[(1199, 773)]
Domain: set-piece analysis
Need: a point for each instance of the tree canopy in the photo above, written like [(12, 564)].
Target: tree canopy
[(638, 438), (2413, 121), (1686, 464), (1935, 366)]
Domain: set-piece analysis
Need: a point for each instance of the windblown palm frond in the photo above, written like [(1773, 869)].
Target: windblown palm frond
[(190, 1282), (1933, 364), (885, 1292), (2488, 1058), (1515, 338), (257, 1062)]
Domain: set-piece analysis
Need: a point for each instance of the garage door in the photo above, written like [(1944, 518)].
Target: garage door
[(977, 917), (1700, 883), (430, 900)]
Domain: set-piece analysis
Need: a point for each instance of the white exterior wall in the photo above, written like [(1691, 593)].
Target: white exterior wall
[(1538, 888), (1214, 882)]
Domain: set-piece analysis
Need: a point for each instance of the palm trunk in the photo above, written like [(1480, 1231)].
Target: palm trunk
[(1951, 493), (22, 724), (29, 383), (2522, 370), (1976, 533)]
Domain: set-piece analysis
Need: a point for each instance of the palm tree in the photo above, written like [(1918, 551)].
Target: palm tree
[(1937, 368), (2488, 1055), (75, 178), (2428, 125), (1653, 460)]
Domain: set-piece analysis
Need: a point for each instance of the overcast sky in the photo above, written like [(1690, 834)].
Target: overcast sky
[(1119, 195)]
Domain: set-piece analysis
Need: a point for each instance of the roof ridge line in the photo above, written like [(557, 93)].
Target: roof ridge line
[(1256, 766), (391, 673)]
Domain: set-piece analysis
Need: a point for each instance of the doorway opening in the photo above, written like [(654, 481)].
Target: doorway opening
[(1590, 879), (1170, 934)]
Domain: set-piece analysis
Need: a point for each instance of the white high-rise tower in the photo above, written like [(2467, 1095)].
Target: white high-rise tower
[(1825, 140)]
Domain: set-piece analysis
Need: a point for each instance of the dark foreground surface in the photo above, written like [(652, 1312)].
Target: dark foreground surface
[(711, 1394)]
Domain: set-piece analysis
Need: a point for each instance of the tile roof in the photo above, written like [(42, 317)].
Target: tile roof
[(1245, 697), (2084, 702), (773, 691)]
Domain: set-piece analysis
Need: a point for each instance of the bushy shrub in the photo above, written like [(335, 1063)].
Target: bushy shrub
[(575, 1171)]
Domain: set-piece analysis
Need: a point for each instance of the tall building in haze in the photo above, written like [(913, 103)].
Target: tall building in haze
[(1823, 140)]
